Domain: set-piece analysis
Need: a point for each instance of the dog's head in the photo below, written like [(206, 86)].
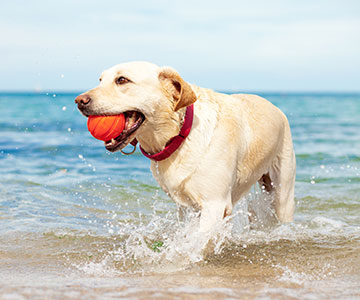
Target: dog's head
[(148, 95)]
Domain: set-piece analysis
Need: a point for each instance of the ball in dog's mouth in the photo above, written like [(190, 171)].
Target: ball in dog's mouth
[(105, 128), (133, 120)]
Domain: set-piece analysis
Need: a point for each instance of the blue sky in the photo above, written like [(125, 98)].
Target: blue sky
[(238, 45)]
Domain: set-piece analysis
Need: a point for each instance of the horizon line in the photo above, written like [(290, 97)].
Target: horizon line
[(230, 91)]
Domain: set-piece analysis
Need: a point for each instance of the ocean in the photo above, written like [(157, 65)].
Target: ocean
[(78, 222)]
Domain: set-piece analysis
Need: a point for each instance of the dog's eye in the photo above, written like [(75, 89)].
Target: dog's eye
[(121, 80)]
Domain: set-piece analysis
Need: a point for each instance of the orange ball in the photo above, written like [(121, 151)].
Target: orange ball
[(105, 128)]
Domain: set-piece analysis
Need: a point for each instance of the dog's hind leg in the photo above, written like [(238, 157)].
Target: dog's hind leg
[(266, 184), (261, 205), (282, 179)]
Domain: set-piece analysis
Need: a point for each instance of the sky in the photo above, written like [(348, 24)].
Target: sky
[(227, 45)]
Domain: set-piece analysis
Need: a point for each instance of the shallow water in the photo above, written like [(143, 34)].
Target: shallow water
[(78, 222)]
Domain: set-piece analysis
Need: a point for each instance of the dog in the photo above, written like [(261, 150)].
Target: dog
[(230, 143)]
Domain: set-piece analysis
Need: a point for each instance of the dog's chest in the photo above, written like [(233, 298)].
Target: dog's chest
[(172, 179)]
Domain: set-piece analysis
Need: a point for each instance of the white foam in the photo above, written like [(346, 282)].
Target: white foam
[(329, 223), (102, 268)]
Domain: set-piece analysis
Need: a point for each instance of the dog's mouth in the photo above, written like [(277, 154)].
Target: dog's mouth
[(133, 120)]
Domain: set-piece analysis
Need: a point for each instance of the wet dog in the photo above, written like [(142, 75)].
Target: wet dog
[(231, 142)]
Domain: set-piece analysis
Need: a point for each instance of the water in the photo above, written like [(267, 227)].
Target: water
[(77, 222)]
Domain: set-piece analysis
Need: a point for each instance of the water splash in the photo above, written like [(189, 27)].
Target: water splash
[(167, 243)]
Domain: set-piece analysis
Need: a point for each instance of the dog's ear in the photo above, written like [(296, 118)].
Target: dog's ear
[(178, 89)]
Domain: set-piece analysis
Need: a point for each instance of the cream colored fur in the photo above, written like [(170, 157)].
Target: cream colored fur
[(234, 141)]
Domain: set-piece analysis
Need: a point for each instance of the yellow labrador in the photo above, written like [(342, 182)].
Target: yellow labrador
[(234, 140)]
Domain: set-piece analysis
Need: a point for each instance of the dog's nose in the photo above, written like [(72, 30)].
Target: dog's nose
[(82, 100)]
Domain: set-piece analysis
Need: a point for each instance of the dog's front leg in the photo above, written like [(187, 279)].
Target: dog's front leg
[(213, 212)]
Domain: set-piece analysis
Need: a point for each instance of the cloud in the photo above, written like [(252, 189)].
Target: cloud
[(221, 45)]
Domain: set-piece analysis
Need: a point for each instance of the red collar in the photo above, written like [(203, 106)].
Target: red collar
[(174, 142)]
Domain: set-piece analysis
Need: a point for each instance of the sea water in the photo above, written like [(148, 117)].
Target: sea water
[(78, 222)]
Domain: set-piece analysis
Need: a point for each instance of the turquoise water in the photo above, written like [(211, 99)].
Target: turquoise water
[(94, 223)]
